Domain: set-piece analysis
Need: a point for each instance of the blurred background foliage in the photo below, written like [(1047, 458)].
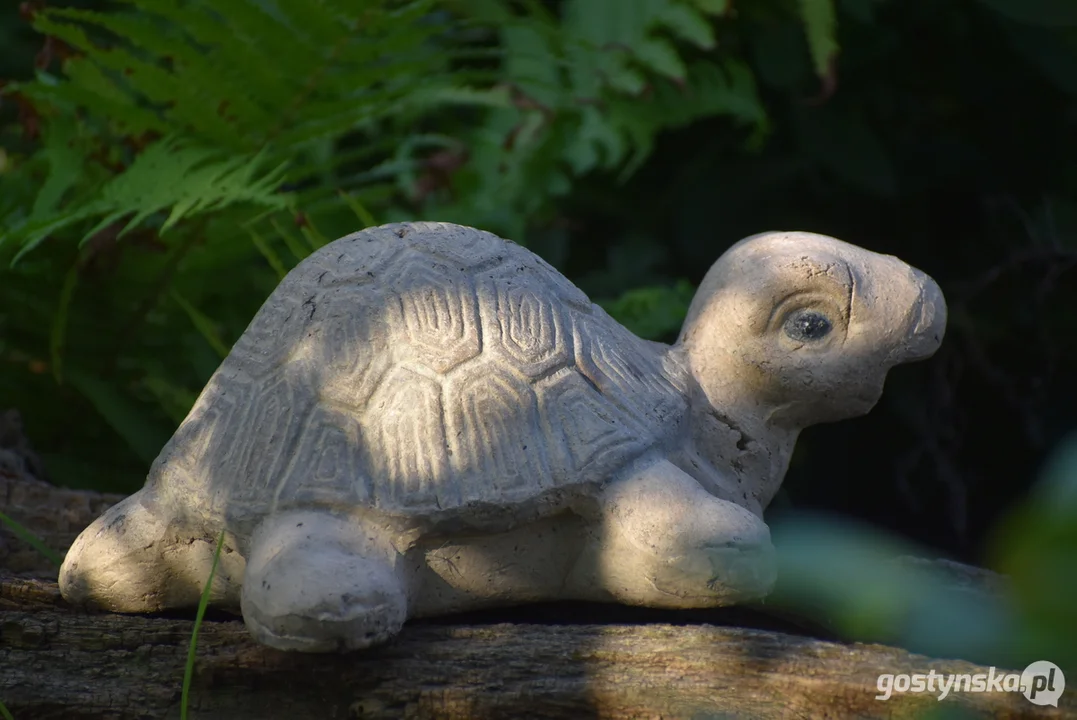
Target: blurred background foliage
[(164, 162)]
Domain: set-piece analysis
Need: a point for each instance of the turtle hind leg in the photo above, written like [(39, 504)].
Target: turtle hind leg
[(316, 583), (134, 558)]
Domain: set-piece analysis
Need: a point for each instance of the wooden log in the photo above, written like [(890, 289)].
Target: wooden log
[(56, 662), (61, 662), (55, 515)]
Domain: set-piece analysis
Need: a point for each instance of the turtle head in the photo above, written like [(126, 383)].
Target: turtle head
[(797, 328)]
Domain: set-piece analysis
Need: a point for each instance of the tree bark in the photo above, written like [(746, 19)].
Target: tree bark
[(61, 662), (55, 515)]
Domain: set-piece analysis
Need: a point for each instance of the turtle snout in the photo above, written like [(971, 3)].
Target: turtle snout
[(928, 321)]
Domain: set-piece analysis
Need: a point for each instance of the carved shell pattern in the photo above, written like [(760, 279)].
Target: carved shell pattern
[(417, 368)]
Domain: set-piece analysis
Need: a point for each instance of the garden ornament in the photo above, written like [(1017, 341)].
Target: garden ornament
[(425, 418)]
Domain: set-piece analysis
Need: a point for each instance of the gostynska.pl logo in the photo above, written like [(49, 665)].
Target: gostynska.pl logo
[(1041, 683)]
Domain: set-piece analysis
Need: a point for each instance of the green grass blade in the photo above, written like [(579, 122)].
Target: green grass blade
[(359, 209), (202, 323), (126, 415), (308, 229), (267, 252), (188, 672), (294, 245), (5, 713), (31, 539)]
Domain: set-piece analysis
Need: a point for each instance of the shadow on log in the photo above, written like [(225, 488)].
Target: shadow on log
[(60, 662)]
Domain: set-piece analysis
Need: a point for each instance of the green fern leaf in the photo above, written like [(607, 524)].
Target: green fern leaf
[(184, 90), (313, 20), (235, 58), (652, 312), (169, 176), (245, 75), (688, 24), (491, 13), (820, 22), (65, 159), (90, 89), (597, 142), (661, 57), (714, 7), (606, 23), (531, 64), (181, 102), (628, 80)]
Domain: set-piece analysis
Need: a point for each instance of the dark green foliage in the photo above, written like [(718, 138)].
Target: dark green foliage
[(177, 158), (168, 161), (168, 133)]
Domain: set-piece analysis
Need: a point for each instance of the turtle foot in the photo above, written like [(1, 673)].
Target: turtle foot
[(310, 587)]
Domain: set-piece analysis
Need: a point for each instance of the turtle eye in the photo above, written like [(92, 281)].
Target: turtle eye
[(807, 326)]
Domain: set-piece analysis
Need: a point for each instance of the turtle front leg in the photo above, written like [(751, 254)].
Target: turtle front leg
[(662, 540), (320, 583)]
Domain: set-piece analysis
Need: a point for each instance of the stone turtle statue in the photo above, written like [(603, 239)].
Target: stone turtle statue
[(426, 418)]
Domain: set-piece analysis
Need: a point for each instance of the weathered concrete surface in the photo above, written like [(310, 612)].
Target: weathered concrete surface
[(425, 418)]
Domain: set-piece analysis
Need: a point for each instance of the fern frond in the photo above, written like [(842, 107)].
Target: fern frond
[(171, 176), (714, 7), (237, 79), (65, 160), (820, 23), (689, 24), (247, 116), (652, 312), (244, 75), (147, 82), (598, 85)]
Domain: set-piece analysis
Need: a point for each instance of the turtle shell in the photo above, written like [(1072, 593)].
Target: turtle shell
[(415, 369)]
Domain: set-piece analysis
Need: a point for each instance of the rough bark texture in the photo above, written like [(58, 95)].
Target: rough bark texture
[(55, 515), (60, 662)]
